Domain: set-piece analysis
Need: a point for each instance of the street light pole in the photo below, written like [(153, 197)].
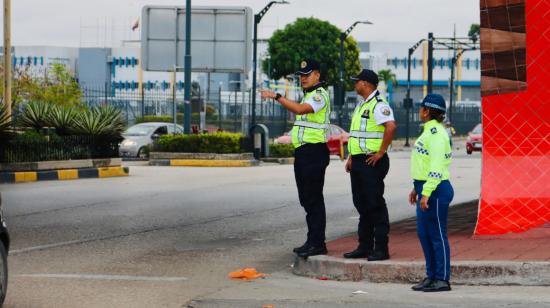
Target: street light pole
[(341, 95), (408, 102), (257, 19), (187, 74)]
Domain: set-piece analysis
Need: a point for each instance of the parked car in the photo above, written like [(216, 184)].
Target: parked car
[(474, 141), (4, 248), (335, 134), (137, 138)]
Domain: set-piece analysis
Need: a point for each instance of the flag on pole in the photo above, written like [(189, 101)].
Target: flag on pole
[(136, 25)]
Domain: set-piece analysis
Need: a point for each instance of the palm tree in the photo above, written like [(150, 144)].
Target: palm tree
[(387, 76)]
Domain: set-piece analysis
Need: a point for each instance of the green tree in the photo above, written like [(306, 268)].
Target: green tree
[(387, 76), (311, 38), (57, 87), (474, 32)]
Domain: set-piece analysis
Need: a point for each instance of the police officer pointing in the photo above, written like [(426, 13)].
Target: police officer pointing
[(311, 154), (372, 130)]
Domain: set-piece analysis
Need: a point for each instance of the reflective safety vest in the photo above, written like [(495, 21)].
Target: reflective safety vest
[(312, 127), (431, 157), (365, 136)]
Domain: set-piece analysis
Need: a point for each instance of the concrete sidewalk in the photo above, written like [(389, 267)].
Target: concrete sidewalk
[(513, 259)]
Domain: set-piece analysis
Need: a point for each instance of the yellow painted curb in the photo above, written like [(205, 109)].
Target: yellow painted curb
[(111, 172), (209, 163), (69, 174), (25, 177)]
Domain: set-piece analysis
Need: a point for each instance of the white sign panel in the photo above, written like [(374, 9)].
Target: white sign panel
[(221, 38)]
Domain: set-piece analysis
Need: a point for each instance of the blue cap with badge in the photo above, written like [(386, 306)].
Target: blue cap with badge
[(434, 101), (308, 66)]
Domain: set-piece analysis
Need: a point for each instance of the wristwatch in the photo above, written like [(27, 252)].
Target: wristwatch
[(277, 96)]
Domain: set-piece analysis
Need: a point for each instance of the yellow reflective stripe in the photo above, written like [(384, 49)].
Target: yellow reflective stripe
[(25, 177), (70, 174)]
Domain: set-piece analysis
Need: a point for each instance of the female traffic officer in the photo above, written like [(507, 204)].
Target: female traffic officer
[(432, 194)]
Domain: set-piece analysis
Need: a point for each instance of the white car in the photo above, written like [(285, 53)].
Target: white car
[(138, 137)]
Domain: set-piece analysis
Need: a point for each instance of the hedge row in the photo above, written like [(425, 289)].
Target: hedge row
[(221, 143)]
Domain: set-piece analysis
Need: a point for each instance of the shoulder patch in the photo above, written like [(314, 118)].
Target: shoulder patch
[(433, 130), (317, 98), (386, 111)]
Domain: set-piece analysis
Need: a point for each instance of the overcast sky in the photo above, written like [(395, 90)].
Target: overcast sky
[(58, 22)]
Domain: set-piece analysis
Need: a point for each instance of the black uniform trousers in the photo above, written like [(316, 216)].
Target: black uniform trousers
[(367, 186), (310, 162)]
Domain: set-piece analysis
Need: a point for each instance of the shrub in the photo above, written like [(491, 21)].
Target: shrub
[(100, 121), (281, 150), (36, 115), (153, 118), (221, 143), (62, 118), (4, 120)]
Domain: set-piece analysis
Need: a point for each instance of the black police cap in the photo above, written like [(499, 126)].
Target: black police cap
[(307, 66), (368, 76)]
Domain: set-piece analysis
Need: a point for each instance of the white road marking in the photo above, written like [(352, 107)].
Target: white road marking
[(103, 277)]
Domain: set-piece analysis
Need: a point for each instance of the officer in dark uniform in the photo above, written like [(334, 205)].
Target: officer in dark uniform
[(372, 130), (311, 154)]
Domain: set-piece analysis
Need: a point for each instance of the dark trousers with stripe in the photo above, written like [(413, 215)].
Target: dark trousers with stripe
[(310, 162), (367, 187), (431, 227)]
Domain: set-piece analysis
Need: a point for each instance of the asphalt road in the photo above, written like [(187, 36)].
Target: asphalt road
[(168, 236)]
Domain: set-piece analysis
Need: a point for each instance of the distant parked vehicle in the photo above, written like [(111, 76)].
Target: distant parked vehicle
[(336, 135), (474, 141), (138, 138)]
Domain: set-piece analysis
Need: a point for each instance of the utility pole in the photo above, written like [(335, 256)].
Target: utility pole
[(7, 58)]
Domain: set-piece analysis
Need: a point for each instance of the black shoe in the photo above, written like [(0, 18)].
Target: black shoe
[(421, 285), (301, 248), (312, 251), (378, 255), (437, 286), (356, 254)]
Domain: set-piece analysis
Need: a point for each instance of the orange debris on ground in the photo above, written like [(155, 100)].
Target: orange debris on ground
[(246, 274)]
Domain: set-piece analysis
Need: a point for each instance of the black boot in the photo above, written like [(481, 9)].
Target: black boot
[(437, 286), (421, 285), (357, 253), (301, 248), (313, 251), (379, 255)]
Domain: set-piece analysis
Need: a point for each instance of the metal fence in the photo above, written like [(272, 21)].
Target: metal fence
[(231, 111), (21, 149), (225, 110), (462, 118)]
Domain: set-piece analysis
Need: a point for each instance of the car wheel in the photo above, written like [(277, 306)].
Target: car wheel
[(468, 152), (142, 153), (3, 272)]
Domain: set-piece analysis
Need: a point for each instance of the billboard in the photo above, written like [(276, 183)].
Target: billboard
[(221, 38)]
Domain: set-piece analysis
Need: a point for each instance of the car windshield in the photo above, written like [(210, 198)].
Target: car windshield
[(139, 130), (477, 130)]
